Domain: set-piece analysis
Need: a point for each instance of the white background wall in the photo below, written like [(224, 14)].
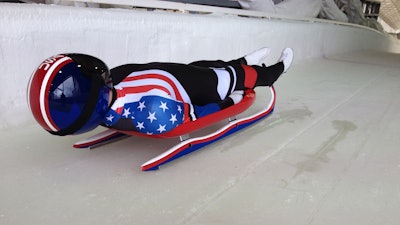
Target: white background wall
[(31, 33)]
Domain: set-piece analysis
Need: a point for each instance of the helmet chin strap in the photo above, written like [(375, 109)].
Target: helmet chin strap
[(87, 111)]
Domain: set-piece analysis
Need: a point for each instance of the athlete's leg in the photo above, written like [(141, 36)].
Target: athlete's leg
[(266, 76), (253, 76), (253, 58), (218, 63)]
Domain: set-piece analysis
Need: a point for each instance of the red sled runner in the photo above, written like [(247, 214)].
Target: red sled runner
[(187, 144)]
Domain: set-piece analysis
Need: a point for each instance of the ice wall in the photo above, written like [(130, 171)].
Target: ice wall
[(31, 33)]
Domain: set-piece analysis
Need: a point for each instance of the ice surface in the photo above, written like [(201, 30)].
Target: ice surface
[(328, 155)]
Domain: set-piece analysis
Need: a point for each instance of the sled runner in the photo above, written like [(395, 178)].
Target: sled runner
[(101, 138), (187, 144)]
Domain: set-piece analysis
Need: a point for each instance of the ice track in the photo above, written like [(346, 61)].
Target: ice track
[(329, 155)]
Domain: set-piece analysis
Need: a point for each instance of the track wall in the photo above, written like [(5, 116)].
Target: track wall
[(31, 33)]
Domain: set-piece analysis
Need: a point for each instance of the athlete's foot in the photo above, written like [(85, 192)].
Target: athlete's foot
[(255, 58), (286, 58)]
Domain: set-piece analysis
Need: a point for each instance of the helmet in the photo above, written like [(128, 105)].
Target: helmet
[(68, 93)]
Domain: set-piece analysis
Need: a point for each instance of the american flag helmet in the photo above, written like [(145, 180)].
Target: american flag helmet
[(68, 93)]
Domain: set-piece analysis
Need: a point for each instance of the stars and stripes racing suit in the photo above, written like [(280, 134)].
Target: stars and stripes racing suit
[(156, 97)]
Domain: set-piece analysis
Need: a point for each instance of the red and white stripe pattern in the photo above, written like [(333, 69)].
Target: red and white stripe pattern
[(145, 83), (39, 88)]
